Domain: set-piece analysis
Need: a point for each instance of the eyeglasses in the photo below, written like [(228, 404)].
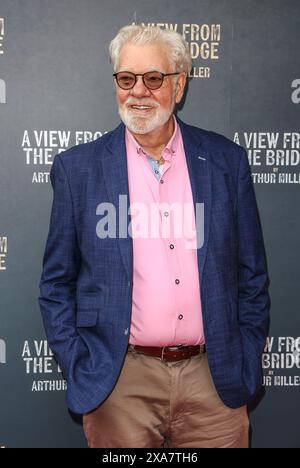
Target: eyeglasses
[(152, 80)]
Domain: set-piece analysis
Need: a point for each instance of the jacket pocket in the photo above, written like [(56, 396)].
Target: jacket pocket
[(87, 317), (88, 307)]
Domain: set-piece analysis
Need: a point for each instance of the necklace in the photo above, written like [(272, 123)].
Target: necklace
[(160, 161)]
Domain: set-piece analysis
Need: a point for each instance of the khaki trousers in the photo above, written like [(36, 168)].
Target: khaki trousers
[(165, 404)]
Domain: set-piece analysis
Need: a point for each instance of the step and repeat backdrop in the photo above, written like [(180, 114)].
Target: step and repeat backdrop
[(57, 90)]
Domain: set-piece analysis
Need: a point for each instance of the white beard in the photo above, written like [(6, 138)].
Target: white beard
[(146, 124)]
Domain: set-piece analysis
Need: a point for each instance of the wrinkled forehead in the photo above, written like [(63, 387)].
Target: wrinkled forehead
[(140, 58)]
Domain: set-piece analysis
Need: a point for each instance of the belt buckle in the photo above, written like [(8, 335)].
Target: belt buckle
[(162, 353), (163, 350)]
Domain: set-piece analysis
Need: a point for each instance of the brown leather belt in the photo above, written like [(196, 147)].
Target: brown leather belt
[(170, 353)]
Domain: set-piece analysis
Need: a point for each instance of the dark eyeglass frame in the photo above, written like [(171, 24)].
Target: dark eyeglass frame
[(163, 75)]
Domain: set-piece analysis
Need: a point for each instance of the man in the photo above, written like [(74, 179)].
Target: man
[(159, 335)]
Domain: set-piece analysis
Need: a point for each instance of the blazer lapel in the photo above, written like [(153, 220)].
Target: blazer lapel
[(114, 165), (199, 167)]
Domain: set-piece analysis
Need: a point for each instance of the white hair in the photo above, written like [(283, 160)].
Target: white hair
[(180, 57)]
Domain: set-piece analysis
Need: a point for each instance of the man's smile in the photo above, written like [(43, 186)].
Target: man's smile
[(141, 109)]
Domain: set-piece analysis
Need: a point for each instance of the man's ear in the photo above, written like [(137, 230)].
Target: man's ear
[(180, 85)]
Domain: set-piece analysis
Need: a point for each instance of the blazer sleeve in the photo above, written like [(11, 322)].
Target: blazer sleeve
[(61, 264), (253, 280)]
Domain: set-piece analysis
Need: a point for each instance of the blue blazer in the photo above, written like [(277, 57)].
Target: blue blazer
[(86, 283)]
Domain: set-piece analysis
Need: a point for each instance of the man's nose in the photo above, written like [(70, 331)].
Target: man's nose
[(139, 88)]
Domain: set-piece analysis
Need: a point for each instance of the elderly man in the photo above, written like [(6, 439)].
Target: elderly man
[(159, 331)]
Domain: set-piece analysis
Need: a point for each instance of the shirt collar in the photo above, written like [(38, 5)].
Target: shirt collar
[(169, 150)]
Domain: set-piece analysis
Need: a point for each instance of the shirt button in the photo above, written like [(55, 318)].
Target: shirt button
[(166, 214), (180, 317), (161, 181), (177, 281), (156, 172), (172, 246)]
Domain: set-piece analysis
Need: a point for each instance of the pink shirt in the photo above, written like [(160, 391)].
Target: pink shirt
[(166, 304)]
